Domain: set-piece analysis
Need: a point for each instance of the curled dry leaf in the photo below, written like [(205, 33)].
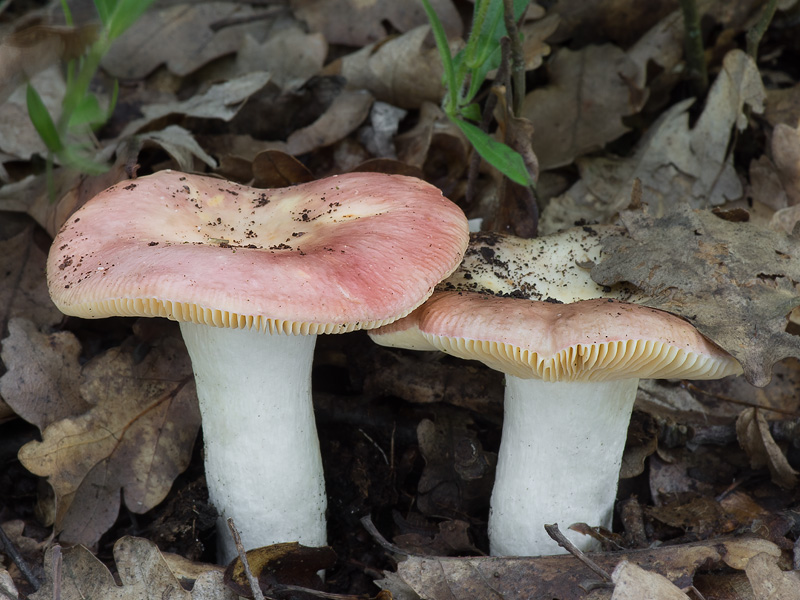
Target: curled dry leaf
[(43, 377), (754, 436), (358, 23), (137, 438), (735, 282)]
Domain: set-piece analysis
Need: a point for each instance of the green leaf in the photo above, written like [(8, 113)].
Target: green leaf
[(104, 9), (42, 120), (72, 156), (447, 60), (67, 13), (509, 162), (87, 112), (125, 14)]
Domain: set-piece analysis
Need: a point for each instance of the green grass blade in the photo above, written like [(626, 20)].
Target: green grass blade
[(509, 162), (42, 120), (447, 60)]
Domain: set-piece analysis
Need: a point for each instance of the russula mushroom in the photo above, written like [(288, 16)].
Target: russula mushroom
[(252, 275), (572, 369)]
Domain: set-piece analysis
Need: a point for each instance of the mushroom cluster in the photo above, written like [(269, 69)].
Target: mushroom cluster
[(573, 354), (253, 275)]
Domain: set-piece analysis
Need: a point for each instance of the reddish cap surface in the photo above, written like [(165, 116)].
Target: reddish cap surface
[(591, 340), (347, 252)]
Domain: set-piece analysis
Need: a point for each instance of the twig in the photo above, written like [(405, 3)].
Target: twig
[(693, 388), (257, 595), (693, 48), (12, 551), (757, 31), (554, 532), (366, 523), (517, 58), (57, 563)]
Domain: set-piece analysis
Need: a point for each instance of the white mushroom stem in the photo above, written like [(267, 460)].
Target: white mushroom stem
[(559, 461), (263, 464)]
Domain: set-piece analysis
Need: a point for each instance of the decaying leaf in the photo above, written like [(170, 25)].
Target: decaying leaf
[(347, 111), (735, 282), (769, 581), (581, 110), (25, 53), (358, 23), (402, 71), (288, 563), (180, 145), (23, 290), (290, 55), (631, 582), (18, 136), (220, 101), (187, 38), (142, 570), (562, 577), (458, 473), (42, 381), (675, 163), (137, 438), (754, 436)]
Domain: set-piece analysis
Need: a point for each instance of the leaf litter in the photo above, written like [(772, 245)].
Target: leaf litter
[(224, 89)]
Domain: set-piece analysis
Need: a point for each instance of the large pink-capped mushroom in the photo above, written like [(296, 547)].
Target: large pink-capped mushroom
[(572, 369), (252, 275)]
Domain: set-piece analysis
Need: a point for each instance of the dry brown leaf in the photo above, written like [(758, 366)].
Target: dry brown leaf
[(403, 71), (518, 578), (786, 156), (43, 377), (220, 101), (458, 474), (769, 582), (581, 109), (138, 437), (290, 55), (754, 436), (142, 570), (675, 163), (23, 289), (344, 115), (26, 52), (631, 582), (180, 145), (358, 23), (186, 40), (18, 136), (735, 282), (783, 106)]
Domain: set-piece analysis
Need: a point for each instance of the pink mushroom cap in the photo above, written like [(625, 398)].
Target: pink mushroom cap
[(347, 252), (590, 340)]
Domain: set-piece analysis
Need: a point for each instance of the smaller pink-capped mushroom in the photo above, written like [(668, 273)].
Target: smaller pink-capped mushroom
[(253, 275), (572, 370)]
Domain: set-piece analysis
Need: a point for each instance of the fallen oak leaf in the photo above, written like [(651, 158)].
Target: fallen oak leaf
[(137, 438), (734, 281), (42, 381), (631, 582), (142, 569)]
